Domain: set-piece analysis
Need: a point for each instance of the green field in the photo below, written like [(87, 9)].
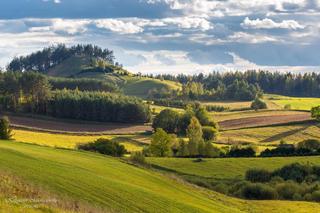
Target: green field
[(227, 168), (295, 103), (117, 186), (131, 142), (293, 133)]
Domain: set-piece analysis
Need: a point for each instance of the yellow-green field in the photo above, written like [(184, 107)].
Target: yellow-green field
[(131, 142), (222, 116), (116, 186), (272, 135), (295, 103)]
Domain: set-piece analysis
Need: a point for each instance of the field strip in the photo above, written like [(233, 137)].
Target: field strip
[(263, 121)]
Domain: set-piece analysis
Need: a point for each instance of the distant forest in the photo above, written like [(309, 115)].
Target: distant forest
[(290, 84), (42, 61)]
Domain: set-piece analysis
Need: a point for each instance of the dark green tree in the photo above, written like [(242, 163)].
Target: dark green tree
[(5, 130)]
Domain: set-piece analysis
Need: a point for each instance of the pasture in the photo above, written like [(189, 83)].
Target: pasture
[(92, 179), (295, 103)]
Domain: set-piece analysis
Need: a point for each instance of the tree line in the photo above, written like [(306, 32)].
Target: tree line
[(32, 92), (49, 57), (291, 84)]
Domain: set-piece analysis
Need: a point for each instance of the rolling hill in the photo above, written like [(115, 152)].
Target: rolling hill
[(116, 186)]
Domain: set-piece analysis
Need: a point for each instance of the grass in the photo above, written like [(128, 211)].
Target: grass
[(296, 103), (272, 135), (140, 86), (227, 168), (222, 116), (132, 143), (119, 187)]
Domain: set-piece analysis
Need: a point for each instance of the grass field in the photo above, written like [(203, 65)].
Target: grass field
[(119, 187), (136, 86), (227, 168), (131, 142), (272, 135), (295, 103)]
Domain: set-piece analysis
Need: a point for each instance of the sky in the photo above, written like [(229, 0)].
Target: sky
[(171, 36)]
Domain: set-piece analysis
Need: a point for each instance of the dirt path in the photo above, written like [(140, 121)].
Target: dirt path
[(263, 121), (73, 127)]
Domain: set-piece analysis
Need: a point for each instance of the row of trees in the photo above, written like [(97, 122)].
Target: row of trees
[(239, 90), (31, 92), (47, 58), (291, 84)]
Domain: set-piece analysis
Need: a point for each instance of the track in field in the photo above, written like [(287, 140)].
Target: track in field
[(263, 121)]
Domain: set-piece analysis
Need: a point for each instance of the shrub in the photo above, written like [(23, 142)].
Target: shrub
[(167, 120), (310, 144), (287, 107), (315, 196), (209, 133), (5, 130), (258, 191), (242, 152), (287, 190), (295, 172), (258, 175), (138, 158), (104, 146), (315, 113), (258, 104)]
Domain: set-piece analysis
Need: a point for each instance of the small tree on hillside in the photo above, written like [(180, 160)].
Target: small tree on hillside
[(258, 104), (161, 143), (194, 133), (167, 120), (5, 130), (315, 113)]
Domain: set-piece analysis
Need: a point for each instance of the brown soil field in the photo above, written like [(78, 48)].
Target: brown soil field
[(62, 126), (263, 121)]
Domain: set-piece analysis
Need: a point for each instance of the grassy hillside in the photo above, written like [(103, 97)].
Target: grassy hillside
[(271, 135), (140, 86), (295, 103), (131, 142), (227, 168), (120, 187)]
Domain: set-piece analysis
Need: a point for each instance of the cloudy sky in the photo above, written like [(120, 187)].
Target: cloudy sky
[(171, 36)]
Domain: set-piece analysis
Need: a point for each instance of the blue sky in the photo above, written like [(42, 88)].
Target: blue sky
[(171, 36)]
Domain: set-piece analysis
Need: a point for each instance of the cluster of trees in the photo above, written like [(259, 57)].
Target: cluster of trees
[(82, 84), (31, 92), (47, 58), (303, 85), (5, 129), (105, 147), (239, 90), (304, 148)]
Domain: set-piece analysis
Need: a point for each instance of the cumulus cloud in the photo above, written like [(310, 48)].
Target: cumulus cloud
[(270, 24)]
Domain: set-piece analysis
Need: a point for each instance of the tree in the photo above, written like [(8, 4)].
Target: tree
[(161, 143), (310, 144), (183, 150), (194, 133), (209, 133), (167, 120), (258, 104), (5, 130), (315, 113)]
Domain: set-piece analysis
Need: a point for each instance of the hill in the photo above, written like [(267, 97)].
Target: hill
[(117, 186)]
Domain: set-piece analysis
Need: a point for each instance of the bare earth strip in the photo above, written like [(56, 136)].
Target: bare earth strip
[(57, 126), (263, 121)]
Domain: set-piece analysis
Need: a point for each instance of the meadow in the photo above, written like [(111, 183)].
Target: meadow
[(119, 187), (226, 168), (131, 142), (296, 103)]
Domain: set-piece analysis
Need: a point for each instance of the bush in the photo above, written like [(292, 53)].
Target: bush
[(258, 175), (104, 146), (5, 130), (315, 113), (315, 196), (258, 104), (287, 190), (310, 144), (258, 191), (242, 152), (138, 158), (167, 120), (209, 133), (295, 172)]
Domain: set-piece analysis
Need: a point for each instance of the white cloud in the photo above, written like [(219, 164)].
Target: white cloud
[(119, 26), (242, 37), (270, 24)]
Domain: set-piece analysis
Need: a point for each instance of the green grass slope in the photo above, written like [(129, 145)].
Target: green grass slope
[(119, 187), (226, 168), (140, 86)]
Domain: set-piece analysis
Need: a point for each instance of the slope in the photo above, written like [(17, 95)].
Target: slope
[(120, 187)]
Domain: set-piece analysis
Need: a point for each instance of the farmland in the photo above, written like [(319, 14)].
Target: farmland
[(98, 177), (295, 103)]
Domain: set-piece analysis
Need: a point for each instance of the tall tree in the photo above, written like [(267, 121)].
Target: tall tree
[(194, 133), (5, 130), (161, 143)]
